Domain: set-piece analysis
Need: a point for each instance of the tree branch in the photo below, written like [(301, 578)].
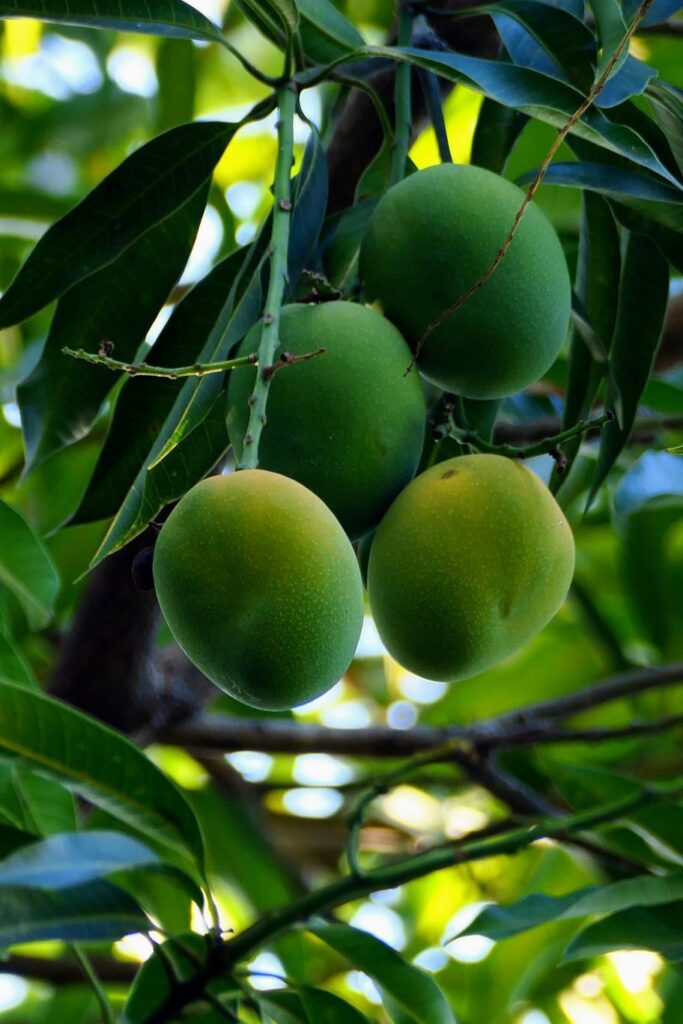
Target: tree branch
[(537, 724)]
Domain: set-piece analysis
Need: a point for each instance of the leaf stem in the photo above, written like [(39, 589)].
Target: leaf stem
[(402, 99), (100, 995), (279, 251)]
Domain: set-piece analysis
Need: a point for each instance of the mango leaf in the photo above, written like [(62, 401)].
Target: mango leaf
[(309, 196), (611, 28), (93, 912), (99, 764), (282, 1007), (498, 128), (153, 985), (26, 568), (414, 992), (61, 398), (637, 333), (501, 922), (565, 39), (45, 805), (615, 182), (13, 666), (145, 402), (656, 928), (531, 92), (324, 31), (156, 484), (158, 17), (632, 79), (73, 858), (325, 1008), (278, 20), (667, 106), (154, 182)]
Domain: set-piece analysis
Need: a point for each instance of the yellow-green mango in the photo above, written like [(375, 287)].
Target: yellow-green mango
[(260, 587), (473, 558), (349, 424), (431, 238)]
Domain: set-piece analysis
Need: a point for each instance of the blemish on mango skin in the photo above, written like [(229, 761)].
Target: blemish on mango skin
[(448, 474)]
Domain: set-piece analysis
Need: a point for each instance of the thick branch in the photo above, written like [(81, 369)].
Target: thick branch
[(62, 971), (538, 724)]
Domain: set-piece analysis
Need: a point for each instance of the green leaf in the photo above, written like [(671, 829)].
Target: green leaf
[(309, 197), (325, 1008), (13, 666), (531, 92), (498, 128), (26, 568), (617, 183), (154, 182), (282, 1007), (144, 403), (278, 20), (611, 30), (325, 32), (501, 922), (564, 37), (87, 913), (637, 334), (414, 992), (656, 928), (73, 858), (667, 106), (152, 984), (170, 18), (61, 398), (156, 483), (99, 764), (46, 806)]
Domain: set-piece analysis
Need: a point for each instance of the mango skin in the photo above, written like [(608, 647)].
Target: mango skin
[(260, 587), (473, 558), (430, 238), (349, 424)]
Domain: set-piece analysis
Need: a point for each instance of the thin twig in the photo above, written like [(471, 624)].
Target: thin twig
[(102, 358), (540, 175)]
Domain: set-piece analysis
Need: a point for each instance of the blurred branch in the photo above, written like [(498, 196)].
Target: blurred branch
[(63, 971), (536, 724), (355, 886), (644, 429)]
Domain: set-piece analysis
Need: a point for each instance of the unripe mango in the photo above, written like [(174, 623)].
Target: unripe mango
[(348, 424), (260, 587), (430, 239), (473, 558)]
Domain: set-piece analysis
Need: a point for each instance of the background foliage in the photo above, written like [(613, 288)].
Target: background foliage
[(137, 157)]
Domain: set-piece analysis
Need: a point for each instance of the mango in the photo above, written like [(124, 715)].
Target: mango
[(260, 587), (473, 558), (348, 424), (430, 239)]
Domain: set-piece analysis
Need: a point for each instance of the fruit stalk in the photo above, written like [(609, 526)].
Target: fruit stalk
[(279, 252)]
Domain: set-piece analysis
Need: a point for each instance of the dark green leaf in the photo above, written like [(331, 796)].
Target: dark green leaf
[(156, 484), (416, 994), (152, 984), (501, 922), (667, 105), (86, 913), (159, 17), (145, 189), (98, 763), (73, 858), (636, 337), (145, 402), (26, 568), (611, 30), (498, 128), (615, 182), (276, 19), (282, 1007), (325, 1008), (325, 32), (563, 36), (13, 666), (309, 195), (656, 928), (177, 69), (46, 806), (533, 93), (61, 398)]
